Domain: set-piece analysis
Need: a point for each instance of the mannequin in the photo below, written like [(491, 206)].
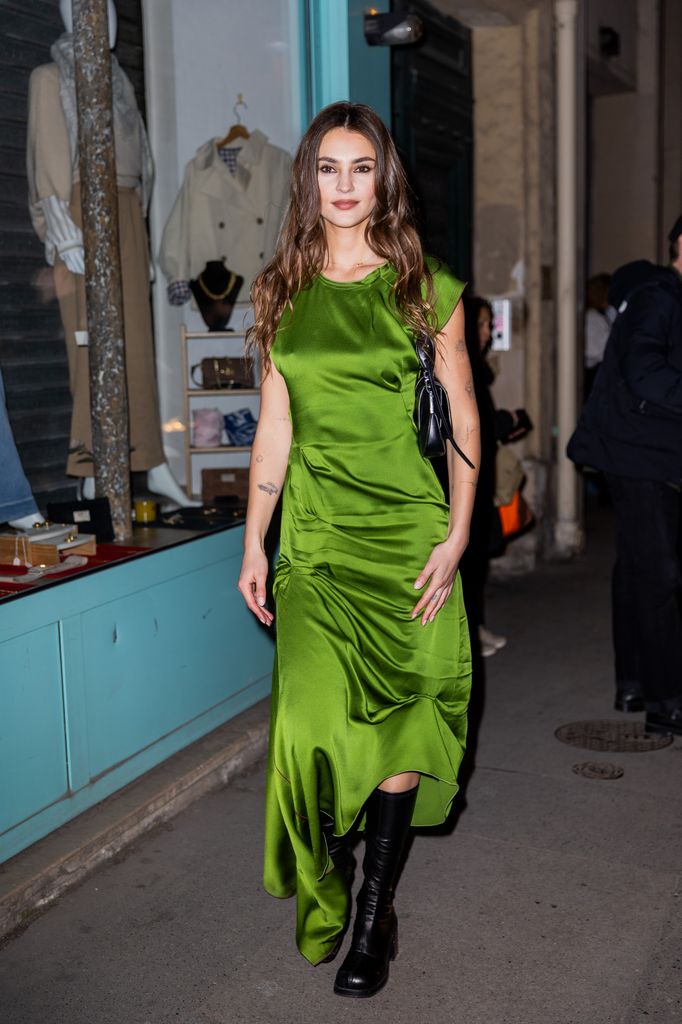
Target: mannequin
[(54, 188)]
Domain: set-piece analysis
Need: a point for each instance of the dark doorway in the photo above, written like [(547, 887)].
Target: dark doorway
[(432, 126)]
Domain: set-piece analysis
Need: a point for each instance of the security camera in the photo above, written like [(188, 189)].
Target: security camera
[(392, 29)]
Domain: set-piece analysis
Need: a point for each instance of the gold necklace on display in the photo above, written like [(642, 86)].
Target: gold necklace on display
[(217, 296)]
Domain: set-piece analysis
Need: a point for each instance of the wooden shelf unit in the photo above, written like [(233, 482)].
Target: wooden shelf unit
[(191, 391)]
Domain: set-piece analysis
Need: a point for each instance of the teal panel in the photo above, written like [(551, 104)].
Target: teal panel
[(158, 658), (369, 66), (327, 53), (41, 824), (32, 748), (104, 676)]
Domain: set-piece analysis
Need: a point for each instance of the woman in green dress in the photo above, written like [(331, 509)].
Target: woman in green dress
[(372, 670)]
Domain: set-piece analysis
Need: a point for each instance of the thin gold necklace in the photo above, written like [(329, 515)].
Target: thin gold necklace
[(354, 266)]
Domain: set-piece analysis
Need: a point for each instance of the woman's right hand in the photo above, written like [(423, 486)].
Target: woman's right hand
[(252, 580)]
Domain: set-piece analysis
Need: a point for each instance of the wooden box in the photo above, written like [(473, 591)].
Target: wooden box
[(29, 552), (216, 483)]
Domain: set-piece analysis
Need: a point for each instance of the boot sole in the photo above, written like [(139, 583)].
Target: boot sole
[(354, 993)]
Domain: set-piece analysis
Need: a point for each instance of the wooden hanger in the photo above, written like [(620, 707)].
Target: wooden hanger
[(238, 130)]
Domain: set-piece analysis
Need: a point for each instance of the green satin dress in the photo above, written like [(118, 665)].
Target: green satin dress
[(360, 691)]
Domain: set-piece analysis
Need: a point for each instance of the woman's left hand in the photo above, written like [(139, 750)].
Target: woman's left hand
[(439, 572)]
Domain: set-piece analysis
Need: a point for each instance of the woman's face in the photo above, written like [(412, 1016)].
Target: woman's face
[(484, 329), (345, 174)]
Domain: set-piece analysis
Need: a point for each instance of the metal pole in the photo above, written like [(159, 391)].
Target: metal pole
[(99, 200), (567, 531)]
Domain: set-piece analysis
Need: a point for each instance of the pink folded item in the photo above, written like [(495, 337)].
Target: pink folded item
[(207, 428)]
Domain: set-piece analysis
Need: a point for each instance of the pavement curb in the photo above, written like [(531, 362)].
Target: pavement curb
[(38, 876)]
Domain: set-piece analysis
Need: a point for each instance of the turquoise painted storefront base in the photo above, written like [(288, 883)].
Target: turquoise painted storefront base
[(105, 676)]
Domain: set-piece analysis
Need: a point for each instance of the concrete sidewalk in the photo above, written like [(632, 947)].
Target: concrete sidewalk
[(555, 899)]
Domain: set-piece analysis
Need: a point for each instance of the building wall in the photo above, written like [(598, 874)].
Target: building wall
[(499, 189), (625, 159), (514, 212)]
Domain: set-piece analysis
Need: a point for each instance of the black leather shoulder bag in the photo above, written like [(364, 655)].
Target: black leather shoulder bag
[(432, 407)]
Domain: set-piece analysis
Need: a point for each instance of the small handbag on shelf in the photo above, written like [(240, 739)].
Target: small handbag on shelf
[(432, 414), (222, 372)]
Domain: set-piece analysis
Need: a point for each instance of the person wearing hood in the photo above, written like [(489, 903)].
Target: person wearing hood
[(631, 430)]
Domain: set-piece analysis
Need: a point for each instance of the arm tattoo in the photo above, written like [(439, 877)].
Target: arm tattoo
[(259, 458), (269, 488), (469, 387), (460, 348), (464, 436)]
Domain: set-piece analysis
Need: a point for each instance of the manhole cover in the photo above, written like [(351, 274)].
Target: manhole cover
[(598, 770), (612, 736)]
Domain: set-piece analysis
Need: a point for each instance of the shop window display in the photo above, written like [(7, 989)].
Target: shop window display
[(54, 198)]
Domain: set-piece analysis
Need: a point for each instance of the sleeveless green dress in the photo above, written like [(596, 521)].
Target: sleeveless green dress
[(360, 691)]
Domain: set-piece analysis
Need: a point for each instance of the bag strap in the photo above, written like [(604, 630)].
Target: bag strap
[(424, 349)]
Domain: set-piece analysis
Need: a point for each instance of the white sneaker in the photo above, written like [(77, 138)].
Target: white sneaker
[(489, 639)]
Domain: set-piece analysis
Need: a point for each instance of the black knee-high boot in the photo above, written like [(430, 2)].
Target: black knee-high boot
[(375, 934)]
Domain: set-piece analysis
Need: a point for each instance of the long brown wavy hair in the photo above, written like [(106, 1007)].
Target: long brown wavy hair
[(302, 245)]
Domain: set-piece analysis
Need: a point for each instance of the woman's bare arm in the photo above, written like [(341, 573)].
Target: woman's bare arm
[(453, 369), (454, 372), (269, 459)]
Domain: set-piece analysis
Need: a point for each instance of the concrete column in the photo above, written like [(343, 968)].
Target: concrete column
[(567, 530), (99, 199)]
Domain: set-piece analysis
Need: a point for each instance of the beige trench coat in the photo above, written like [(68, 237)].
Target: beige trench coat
[(230, 216), (50, 172)]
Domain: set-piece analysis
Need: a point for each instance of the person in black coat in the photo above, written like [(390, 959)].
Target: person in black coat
[(631, 429)]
